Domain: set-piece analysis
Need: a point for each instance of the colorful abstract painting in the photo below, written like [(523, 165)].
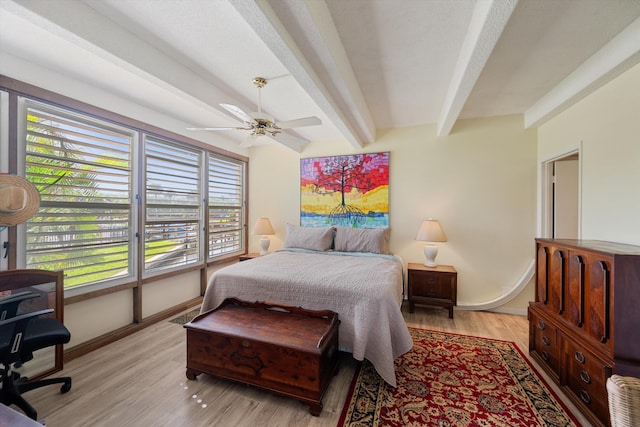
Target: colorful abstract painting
[(348, 191)]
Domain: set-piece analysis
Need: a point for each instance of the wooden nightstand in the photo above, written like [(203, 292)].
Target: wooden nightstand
[(433, 286), (249, 256)]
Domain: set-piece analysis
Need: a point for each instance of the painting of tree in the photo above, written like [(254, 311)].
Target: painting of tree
[(349, 191)]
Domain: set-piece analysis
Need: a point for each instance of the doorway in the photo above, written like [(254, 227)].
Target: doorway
[(561, 196)]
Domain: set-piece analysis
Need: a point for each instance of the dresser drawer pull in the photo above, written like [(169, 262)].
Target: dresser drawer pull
[(541, 325), (579, 357), (584, 396), (545, 356), (585, 377), (546, 340)]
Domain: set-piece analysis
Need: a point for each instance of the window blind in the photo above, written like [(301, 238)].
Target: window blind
[(172, 205), (82, 170), (226, 206)]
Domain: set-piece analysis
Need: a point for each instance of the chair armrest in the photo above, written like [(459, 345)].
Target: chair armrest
[(25, 316), (20, 296), (9, 304)]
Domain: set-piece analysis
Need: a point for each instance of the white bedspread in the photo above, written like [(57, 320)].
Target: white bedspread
[(364, 289)]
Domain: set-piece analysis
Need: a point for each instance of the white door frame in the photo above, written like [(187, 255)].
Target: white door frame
[(545, 190)]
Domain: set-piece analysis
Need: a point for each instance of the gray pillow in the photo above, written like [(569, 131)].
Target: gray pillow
[(315, 239), (374, 240)]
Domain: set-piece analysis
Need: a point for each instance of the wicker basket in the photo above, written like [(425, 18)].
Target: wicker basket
[(624, 401)]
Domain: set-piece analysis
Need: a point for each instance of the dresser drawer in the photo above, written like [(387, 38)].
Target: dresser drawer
[(544, 340), (586, 377)]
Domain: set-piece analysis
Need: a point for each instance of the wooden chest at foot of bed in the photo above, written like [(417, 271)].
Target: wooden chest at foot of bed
[(287, 350)]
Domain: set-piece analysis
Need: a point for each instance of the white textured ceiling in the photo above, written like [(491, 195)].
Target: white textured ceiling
[(359, 65)]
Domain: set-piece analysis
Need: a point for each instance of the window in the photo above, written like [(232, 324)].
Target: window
[(82, 170), (226, 202), (173, 200), (121, 200)]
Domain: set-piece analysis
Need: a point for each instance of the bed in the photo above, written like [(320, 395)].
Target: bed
[(363, 287)]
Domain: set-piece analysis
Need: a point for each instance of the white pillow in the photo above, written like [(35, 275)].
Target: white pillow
[(374, 240), (315, 239)]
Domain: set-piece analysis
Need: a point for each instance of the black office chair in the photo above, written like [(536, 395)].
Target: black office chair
[(22, 333)]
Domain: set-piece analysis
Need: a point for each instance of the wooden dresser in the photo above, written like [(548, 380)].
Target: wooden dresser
[(584, 324)]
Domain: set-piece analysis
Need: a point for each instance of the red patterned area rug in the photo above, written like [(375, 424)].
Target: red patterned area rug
[(458, 381)]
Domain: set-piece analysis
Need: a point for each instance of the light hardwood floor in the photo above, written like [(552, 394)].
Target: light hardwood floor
[(140, 381)]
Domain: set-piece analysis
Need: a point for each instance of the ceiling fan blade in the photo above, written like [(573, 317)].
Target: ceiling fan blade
[(249, 140), (290, 139), (236, 111), (296, 123), (214, 128)]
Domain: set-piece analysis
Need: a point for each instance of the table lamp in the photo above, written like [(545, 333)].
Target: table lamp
[(431, 232), (263, 227)]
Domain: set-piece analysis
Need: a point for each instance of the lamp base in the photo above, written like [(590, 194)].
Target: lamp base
[(264, 245), (430, 253)]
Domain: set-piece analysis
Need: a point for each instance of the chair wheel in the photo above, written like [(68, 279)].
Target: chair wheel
[(65, 387)]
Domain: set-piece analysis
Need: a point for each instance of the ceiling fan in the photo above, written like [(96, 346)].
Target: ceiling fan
[(261, 123)]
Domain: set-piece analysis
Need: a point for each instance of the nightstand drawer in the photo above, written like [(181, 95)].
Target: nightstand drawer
[(427, 284)]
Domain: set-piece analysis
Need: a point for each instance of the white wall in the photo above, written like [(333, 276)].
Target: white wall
[(480, 182), (607, 124), (98, 316), (165, 293)]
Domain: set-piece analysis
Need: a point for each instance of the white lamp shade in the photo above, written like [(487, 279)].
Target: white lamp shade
[(263, 227), (431, 231)]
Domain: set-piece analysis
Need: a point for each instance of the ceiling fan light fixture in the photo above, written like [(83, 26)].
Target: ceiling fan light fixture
[(260, 82)]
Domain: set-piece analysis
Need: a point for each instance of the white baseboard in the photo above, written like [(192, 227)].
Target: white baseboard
[(518, 311)]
